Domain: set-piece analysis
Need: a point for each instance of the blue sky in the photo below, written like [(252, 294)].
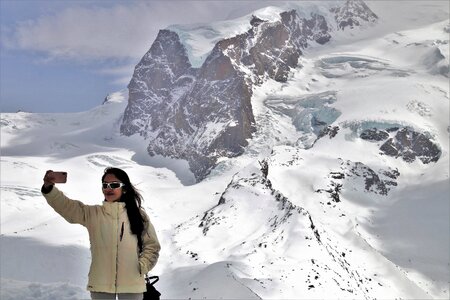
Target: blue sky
[(32, 79), (66, 56)]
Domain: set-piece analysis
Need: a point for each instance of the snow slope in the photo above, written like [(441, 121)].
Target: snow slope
[(265, 224)]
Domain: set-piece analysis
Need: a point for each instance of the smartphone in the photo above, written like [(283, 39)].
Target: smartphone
[(59, 177)]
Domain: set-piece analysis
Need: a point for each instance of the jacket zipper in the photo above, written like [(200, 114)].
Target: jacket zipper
[(121, 232), (117, 249)]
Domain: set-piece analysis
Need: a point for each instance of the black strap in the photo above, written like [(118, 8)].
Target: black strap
[(150, 278), (151, 292)]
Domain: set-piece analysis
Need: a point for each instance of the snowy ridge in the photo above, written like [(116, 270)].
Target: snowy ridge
[(200, 39), (267, 249)]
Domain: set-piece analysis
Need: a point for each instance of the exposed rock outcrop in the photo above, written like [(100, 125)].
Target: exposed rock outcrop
[(409, 145)]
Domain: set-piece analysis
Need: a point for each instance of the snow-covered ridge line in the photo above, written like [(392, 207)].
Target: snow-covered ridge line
[(200, 39)]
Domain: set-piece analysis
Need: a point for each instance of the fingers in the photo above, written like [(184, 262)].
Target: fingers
[(49, 179), (48, 174)]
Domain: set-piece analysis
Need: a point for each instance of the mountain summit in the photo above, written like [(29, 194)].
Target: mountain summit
[(202, 113)]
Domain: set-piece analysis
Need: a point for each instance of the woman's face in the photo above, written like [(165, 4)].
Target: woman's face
[(111, 195)]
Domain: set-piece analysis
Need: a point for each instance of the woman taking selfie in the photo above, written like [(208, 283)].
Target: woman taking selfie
[(124, 246)]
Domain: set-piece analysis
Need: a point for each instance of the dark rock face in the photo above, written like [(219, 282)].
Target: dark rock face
[(353, 13), (362, 177), (331, 131), (165, 67), (374, 134), (201, 114), (187, 113), (280, 44), (374, 182), (409, 145), (333, 191)]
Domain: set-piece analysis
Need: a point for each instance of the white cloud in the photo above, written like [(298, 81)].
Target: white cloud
[(88, 33), (112, 36), (122, 31), (122, 74)]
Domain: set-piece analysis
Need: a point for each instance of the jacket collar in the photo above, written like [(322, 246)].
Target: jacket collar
[(113, 207)]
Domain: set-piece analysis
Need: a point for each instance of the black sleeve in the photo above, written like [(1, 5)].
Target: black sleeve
[(46, 190)]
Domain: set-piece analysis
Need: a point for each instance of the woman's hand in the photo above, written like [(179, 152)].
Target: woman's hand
[(49, 179)]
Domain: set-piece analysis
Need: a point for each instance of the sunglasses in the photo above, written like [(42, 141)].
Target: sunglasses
[(112, 185)]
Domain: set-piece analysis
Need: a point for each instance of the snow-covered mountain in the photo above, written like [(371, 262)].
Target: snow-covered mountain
[(204, 113), (334, 185)]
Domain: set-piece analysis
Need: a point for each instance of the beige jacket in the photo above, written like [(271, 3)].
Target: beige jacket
[(117, 266)]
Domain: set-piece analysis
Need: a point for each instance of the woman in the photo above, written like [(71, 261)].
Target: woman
[(124, 246)]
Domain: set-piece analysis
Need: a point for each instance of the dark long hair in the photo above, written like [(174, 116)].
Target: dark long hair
[(133, 201)]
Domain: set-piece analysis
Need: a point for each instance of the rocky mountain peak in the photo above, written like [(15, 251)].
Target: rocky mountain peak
[(201, 114)]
